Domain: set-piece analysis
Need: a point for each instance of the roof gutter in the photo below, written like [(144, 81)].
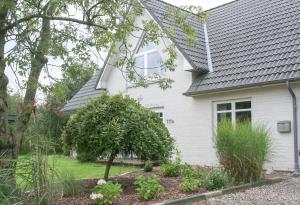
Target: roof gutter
[(296, 154)]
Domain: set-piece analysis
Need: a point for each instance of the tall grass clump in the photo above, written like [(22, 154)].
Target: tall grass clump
[(242, 150)]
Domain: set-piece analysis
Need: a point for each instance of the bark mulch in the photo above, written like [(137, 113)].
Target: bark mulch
[(129, 195)]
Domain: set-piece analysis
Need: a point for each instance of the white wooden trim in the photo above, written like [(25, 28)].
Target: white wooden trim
[(233, 110)]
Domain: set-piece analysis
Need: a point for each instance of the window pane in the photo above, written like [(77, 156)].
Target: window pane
[(139, 65), (160, 114), (224, 116), (243, 105), (224, 106), (243, 117), (147, 47), (153, 64)]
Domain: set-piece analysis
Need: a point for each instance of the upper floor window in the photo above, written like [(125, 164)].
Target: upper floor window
[(235, 111), (148, 61)]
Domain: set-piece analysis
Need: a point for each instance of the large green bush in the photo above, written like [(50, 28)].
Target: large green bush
[(242, 150), (117, 124)]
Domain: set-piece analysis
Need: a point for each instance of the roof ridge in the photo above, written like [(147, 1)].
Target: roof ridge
[(144, 1), (233, 1)]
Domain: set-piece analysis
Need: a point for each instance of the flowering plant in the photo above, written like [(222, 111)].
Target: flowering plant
[(105, 192), (101, 181), (95, 196)]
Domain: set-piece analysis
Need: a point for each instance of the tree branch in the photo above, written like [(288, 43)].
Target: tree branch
[(53, 18)]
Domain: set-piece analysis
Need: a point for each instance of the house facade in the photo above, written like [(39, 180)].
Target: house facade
[(245, 66)]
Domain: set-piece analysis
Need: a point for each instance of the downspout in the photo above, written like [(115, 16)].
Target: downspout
[(295, 128)]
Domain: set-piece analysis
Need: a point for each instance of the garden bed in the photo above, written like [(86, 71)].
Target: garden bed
[(129, 195), (171, 192)]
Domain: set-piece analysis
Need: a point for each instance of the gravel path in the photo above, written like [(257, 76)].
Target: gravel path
[(283, 193)]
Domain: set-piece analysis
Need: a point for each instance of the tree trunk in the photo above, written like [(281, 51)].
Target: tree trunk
[(7, 141), (108, 166), (38, 61)]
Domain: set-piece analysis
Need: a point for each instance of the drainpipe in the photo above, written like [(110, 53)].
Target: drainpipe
[(296, 154)]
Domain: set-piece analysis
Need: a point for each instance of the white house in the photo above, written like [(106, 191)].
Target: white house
[(246, 65)]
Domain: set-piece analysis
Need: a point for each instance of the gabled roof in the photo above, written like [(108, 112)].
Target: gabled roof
[(252, 42), (196, 55), (86, 93)]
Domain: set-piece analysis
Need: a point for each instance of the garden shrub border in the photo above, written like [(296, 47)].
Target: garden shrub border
[(229, 190)]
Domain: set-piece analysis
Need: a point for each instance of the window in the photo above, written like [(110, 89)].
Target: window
[(235, 111), (160, 115), (147, 61)]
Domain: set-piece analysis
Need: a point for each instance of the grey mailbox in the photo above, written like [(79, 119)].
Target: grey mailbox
[(284, 126)]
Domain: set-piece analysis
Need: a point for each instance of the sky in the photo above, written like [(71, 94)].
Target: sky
[(205, 4)]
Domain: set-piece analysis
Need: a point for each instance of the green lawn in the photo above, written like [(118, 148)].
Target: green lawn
[(81, 170)]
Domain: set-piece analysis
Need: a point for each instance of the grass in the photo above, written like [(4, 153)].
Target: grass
[(80, 170), (243, 149)]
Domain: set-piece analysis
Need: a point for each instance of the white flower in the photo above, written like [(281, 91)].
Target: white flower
[(101, 181), (95, 196)]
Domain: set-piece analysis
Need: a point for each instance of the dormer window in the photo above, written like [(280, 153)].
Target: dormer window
[(147, 61)]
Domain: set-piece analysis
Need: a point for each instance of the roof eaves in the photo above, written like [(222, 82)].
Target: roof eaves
[(205, 92)]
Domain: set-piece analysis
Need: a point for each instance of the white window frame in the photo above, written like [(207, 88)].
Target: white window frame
[(145, 57), (163, 116), (233, 110)]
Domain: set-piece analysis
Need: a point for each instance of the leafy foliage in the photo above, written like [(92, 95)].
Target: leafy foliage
[(242, 150), (148, 167), (8, 193), (171, 168), (109, 191), (215, 179), (114, 124), (187, 171), (189, 185), (149, 187)]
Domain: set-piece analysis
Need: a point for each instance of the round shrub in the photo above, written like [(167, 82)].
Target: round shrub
[(242, 149), (188, 171), (148, 167), (170, 169), (104, 194), (148, 187), (110, 125), (215, 179), (189, 185)]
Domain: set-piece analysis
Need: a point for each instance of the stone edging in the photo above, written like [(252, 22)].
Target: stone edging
[(204, 196)]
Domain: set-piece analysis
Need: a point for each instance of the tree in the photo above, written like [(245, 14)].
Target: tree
[(117, 124), (49, 120), (43, 28)]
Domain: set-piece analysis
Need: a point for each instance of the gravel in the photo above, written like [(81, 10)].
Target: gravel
[(286, 192)]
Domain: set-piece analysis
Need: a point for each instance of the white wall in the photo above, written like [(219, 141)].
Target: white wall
[(190, 119)]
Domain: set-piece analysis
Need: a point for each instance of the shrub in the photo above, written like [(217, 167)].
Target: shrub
[(114, 124), (70, 186), (242, 150), (148, 167), (215, 179), (189, 185), (105, 193), (188, 171), (148, 187), (171, 168)]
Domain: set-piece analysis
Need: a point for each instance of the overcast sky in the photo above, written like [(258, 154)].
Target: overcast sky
[(205, 4)]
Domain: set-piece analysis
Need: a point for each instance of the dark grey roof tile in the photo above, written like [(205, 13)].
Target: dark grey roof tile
[(196, 55), (85, 94)]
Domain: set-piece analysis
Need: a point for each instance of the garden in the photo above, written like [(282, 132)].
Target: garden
[(110, 125)]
